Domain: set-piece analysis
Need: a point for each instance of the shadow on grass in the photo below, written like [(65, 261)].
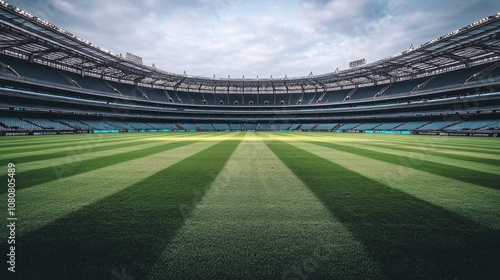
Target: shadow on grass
[(491, 161), (51, 173), (125, 232), (78, 148), (410, 238), (453, 172)]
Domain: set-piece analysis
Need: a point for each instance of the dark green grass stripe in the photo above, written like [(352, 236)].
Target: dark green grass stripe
[(442, 148), (454, 172), (78, 150), (410, 238), (495, 162), (128, 230), (46, 174), (484, 148), (50, 139), (44, 138), (68, 144), (35, 144), (489, 147), (81, 148)]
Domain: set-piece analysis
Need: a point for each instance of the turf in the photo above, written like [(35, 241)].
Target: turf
[(391, 223), (128, 228), (254, 206)]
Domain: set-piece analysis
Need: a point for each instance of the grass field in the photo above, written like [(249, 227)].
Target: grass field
[(252, 205)]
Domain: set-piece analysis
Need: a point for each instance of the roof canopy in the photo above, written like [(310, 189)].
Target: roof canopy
[(26, 36)]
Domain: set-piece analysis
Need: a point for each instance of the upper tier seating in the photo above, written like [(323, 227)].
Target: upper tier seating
[(335, 96), (310, 97), (453, 78), (90, 83), (403, 87), (35, 71), (366, 92), (154, 94), (126, 90)]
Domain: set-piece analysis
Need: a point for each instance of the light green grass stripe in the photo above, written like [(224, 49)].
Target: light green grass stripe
[(81, 147), (420, 143), (471, 144), (28, 140), (35, 142), (447, 143), (422, 155), (474, 202), (440, 151), (79, 153), (83, 143), (258, 221), (45, 203), (411, 238), (452, 142)]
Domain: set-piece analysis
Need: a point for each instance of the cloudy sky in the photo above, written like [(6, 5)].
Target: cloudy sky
[(258, 37)]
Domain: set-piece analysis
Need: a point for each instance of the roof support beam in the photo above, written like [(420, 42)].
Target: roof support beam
[(34, 55), (12, 43), (489, 48), (457, 58)]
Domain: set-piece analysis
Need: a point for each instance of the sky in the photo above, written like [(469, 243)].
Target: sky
[(258, 38)]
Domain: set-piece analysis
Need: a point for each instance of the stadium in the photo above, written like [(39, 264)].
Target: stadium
[(113, 169)]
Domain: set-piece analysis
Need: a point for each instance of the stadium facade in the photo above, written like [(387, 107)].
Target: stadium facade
[(54, 82)]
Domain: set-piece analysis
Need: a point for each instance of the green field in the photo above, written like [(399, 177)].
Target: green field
[(252, 205)]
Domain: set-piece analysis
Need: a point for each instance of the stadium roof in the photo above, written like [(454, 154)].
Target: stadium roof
[(26, 36)]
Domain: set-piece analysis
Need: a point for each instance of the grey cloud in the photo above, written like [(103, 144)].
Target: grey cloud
[(236, 37)]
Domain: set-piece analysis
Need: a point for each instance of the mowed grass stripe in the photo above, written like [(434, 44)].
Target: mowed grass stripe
[(476, 203), (258, 221), (128, 229), (483, 161), (80, 146), (72, 157), (466, 144), (452, 152), (410, 238), (47, 202), (46, 174), (416, 155), (27, 140), (73, 166), (482, 147), (83, 142), (414, 160), (34, 145)]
